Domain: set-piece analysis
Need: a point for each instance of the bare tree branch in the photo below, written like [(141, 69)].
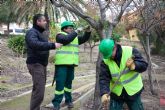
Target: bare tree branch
[(155, 23), (107, 5), (74, 10), (56, 3), (102, 10), (123, 7)]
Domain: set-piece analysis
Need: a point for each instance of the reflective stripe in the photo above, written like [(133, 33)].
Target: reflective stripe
[(117, 74), (74, 45), (114, 75), (126, 71), (59, 92), (123, 72), (66, 52), (67, 89), (129, 80)]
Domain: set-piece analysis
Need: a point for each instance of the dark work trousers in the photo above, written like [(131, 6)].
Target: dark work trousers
[(135, 104), (38, 73), (64, 75)]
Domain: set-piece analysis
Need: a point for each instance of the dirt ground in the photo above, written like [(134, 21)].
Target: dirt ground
[(152, 102)]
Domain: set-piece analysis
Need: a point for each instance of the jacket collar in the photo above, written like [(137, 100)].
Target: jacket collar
[(40, 29)]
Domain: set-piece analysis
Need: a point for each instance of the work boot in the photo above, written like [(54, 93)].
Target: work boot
[(69, 104), (56, 108)]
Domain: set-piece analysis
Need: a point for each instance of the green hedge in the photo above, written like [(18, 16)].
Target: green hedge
[(17, 43)]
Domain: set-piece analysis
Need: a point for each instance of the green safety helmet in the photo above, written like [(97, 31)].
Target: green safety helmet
[(106, 47), (66, 23)]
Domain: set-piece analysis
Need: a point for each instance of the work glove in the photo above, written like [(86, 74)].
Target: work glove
[(87, 28), (130, 64), (105, 98), (78, 30)]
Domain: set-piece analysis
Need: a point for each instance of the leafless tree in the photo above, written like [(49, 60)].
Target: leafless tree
[(150, 15), (102, 24)]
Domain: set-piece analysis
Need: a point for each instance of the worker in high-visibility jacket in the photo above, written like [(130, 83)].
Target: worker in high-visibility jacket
[(127, 61), (66, 58)]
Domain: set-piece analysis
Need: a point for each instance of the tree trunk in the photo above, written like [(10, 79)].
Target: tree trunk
[(91, 49), (46, 32), (57, 15), (8, 26), (110, 29), (149, 65), (97, 100), (53, 14)]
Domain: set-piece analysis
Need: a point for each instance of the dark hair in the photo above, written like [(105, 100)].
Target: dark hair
[(37, 17)]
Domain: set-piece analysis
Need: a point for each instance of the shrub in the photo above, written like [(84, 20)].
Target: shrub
[(116, 37), (17, 44)]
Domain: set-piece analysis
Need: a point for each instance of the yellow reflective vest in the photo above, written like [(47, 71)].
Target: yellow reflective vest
[(68, 54), (131, 81)]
